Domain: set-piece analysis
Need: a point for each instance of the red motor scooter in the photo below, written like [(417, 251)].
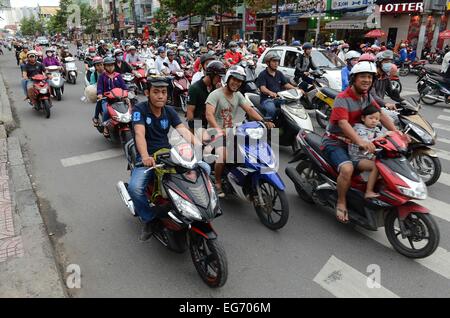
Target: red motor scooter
[(180, 90), (409, 227), (42, 93), (141, 79), (119, 110)]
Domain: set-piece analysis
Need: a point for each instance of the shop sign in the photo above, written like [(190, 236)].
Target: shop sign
[(250, 20), (183, 25), (350, 4), (401, 7), (448, 5)]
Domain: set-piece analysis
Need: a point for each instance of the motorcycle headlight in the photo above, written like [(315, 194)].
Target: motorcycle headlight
[(423, 134), (43, 90), (255, 133), (186, 208), (123, 118), (416, 190)]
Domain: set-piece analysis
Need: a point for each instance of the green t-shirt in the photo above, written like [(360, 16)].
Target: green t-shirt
[(225, 110)]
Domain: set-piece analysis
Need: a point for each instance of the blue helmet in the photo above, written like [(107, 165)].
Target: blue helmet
[(161, 49), (307, 46), (296, 43)]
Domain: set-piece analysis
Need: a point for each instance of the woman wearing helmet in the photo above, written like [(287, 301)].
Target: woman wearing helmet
[(107, 81), (262, 47), (303, 64), (351, 58), (99, 69), (270, 82), (347, 111), (88, 61), (232, 57), (199, 91), (50, 58), (121, 67), (221, 108), (344, 48)]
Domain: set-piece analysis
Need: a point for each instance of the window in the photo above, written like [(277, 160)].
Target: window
[(324, 59), (290, 58)]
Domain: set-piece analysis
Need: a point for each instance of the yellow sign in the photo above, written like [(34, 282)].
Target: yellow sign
[(448, 5)]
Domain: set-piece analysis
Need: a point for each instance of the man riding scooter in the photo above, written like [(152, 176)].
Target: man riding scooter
[(270, 82), (302, 66), (30, 69), (347, 111)]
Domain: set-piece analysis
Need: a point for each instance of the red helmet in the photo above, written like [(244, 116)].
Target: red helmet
[(91, 49), (97, 60), (367, 57)]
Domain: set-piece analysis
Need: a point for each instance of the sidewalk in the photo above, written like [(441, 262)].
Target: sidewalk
[(27, 263)]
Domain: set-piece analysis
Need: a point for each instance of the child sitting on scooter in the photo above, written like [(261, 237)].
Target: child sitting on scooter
[(369, 131)]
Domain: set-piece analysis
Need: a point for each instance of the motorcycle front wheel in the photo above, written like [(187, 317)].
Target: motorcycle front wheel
[(326, 110), (274, 214), (396, 85), (427, 167), (209, 259), (404, 70), (429, 91), (46, 108), (419, 227)]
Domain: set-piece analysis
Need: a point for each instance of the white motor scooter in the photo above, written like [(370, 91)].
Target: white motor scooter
[(291, 117), (71, 70), (56, 81)]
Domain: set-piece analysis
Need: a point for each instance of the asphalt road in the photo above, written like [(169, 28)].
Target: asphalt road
[(312, 256)]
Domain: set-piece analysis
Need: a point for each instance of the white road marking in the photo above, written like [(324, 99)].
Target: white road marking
[(441, 126), (443, 154), (444, 140), (446, 110), (96, 156), (409, 92), (444, 179), (437, 207), (442, 117), (343, 281), (438, 262)]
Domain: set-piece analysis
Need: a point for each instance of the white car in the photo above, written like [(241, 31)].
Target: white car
[(326, 61)]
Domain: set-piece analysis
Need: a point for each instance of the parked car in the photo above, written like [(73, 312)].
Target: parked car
[(326, 61), (42, 40)]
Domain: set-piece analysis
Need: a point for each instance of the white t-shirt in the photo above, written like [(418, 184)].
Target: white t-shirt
[(197, 76), (160, 63), (445, 62)]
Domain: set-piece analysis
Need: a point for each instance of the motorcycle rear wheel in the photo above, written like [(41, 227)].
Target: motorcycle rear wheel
[(304, 170), (422, 226), (427, 167), (270, 194), (58, 94), (209, 259)]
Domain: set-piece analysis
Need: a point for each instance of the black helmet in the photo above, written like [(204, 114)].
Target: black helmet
[(215, 68), (206, 57)]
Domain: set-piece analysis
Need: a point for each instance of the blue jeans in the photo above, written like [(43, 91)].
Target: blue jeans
[(270, 107), (137, 189), (105, 113), (24, 86)]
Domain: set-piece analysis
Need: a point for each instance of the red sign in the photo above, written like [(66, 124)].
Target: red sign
[(250, 20), (401, 7), (146, 33)]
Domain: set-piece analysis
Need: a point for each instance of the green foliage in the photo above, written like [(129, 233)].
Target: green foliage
[(161, 23), (31, 26)]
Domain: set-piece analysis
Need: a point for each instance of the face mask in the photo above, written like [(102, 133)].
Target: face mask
[(119, 58), (92, 54), (386, 67), (345, 50), (233, 49)]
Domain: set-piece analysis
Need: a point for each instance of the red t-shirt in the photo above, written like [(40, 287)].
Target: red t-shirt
[(236, 57)]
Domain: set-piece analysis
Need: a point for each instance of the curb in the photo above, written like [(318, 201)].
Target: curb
[(6, 116), (35, 272)]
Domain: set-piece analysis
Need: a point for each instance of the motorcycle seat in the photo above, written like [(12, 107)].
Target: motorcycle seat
[(255, 99), (315, 141), (329, 92)]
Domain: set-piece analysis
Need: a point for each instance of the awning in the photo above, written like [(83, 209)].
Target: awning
[(348, 24)]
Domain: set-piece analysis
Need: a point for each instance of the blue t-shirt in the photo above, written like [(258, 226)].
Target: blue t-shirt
[(345, 75), (272, 83), (156, 128)]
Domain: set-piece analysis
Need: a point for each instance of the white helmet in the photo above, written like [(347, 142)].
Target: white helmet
[(180, 47), (352, 55), (263, 42), (196, 45), (364, 67), (236, 72)]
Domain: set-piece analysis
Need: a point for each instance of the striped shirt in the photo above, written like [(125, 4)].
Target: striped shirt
[(347, 106)]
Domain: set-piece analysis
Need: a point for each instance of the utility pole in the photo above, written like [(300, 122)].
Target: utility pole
[(276, 21), (115, 21), (133, 12), (318, 26)]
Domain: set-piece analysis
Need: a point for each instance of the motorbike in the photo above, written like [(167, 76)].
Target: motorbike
[(71, 70), (129, 79), (291, 117), (87, 75), (253, 177), (420, 154), (409, 227), (81, 53), (180, 90), (120, 113), (410, 67), (432, 87), (141, 79), (395, 80), (42, 93), (189, 204), (319, 82), (249, 86), (56, 80)]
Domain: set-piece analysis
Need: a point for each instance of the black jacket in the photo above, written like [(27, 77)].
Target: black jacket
[(299, 69)]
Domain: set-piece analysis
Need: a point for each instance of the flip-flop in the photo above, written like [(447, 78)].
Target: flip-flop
[(372, 197), (95, 122), (345, 212)]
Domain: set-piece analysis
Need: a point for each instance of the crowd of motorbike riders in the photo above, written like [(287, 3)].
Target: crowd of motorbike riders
[(216, 76)]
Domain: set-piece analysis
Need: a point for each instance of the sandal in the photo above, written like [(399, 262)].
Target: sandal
[(219, 192), (344, 213), (95, 122), (106, 133)]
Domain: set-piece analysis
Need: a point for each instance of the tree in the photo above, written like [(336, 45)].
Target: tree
[(31, 26), (58, 22), (90, 18), (161, 21)]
